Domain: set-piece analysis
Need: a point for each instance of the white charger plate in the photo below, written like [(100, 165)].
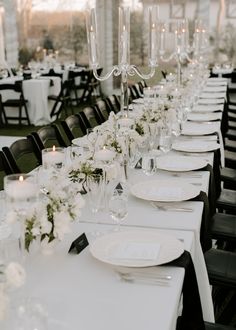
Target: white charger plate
[(199, 129), (195, 146), (105, 247), (208, 108), (211, 101), (201, 117), (180, 163), (209, 95), (164, 190)]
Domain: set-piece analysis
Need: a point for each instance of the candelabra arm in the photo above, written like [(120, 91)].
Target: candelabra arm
[(168, 59), (114, 70), (133, 69)]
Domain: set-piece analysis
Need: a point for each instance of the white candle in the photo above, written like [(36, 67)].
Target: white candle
[(53, 157), (93, 47), (153, 43), (124, 42), (125, 122), (44, 54), (104, 155), (21, 189), (162, 43)]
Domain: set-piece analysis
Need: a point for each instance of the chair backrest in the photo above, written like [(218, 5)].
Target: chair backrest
[(5, 168), (113, 103), (138, 90), (91, 116), (103, 109), (47, 137), (22, 155), (74, 127)]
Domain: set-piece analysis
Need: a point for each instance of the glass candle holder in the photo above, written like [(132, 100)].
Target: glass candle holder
[(21, 190), (53, 158)]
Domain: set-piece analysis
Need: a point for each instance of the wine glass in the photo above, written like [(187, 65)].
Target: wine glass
[(149, 164), (165, 140), (118, 207)]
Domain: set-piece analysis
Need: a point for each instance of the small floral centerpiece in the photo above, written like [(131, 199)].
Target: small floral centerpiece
[(12, 277), (50, 218)]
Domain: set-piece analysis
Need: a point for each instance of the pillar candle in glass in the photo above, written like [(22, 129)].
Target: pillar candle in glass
[(153, 29), (124, 35), (21, 191), (53, 158), (92, 37)]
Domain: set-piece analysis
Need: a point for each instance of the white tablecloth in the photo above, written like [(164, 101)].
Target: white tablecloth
[(36, 91)]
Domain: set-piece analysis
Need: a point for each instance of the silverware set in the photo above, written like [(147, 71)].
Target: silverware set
[(172, 208), (144, 278)]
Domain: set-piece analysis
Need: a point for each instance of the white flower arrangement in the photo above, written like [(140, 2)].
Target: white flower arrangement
[(13, 278), (51, 217)]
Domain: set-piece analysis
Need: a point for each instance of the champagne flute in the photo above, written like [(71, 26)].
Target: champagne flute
[(118, 207)]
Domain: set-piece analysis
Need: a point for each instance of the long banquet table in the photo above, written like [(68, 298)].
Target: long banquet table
[(79, 291)]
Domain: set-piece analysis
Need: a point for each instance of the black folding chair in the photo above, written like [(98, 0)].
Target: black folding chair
[(22, 155), (17, 102), (62, 100), (74, 127)]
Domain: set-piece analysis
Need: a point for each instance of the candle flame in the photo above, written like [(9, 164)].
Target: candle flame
[(163, 29), (53, 148), (183, 30), (153, 26), (104, 147), (91, 28), (21, 178)]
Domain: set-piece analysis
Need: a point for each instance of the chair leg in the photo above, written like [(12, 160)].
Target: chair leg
[(27, 115), (20, 115)]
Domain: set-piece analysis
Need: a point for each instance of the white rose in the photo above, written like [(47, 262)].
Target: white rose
[(15, 275)]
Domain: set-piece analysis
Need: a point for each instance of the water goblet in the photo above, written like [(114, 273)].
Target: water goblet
[(149, 164), (118, 207), (165, 140)]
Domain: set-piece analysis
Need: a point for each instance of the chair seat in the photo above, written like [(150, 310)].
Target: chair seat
[(228, 176), (14, 103), (216, 326), (221, 267), (223, 226), (227, 200), (230, 145), (230, 159), (231, 134), (232, 124)]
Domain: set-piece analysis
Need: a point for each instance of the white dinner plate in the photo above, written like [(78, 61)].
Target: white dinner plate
[(198, 129), (195, 146), (208, 108), (164, 190), (215, 89), (201, 117), (219, 95), (180, 163), (140, 247), (211, 101)]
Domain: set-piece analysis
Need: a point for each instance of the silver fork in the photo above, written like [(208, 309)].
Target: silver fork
[(171, 208), (143, 280)]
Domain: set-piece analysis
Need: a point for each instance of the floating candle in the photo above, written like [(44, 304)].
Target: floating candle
[(105, 155)]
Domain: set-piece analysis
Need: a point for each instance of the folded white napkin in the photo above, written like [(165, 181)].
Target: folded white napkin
[(137, 251)]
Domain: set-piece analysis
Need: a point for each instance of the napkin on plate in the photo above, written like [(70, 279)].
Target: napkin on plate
[(137, 251)]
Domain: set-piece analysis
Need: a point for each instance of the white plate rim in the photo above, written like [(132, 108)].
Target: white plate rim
[(197, 163), (100, 247), (190, 190), (204, 148)]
